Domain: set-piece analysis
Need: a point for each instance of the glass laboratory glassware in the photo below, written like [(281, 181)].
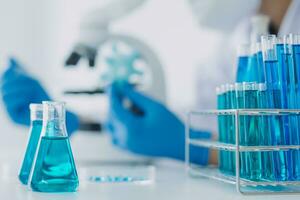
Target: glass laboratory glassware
[(264, 135), (54, 168), (221, 125), (252, 72), (243, 52), (36, 118), (249, 134), (294, 40), (231, 127), (223, 103), (239, 94), (274, 100)]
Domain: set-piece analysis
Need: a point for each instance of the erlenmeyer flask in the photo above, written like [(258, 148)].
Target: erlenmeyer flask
[(54, 168), (36, 118)]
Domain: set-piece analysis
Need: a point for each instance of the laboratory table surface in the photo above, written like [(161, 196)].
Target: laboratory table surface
[(169, 181)]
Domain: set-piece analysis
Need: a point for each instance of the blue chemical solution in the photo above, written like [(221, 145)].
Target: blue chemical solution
[(251, 166), (35, 132), (244, 165), (242, 68), (287, 88), (296, 135), (260, 66), (268, 169), (221, 101), (54, 170), (252, 73), (278, 133), (231, 131)]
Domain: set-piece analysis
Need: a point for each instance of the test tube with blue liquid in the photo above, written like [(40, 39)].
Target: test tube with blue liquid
[(224, 127), (54, 167), (240, 104), (274, 100), (231, 128), (288, 98), (249, 132), (253, 73), (260, 63), (294, 40), (264, 135), (243, 52), (36, 118), (221, 124)]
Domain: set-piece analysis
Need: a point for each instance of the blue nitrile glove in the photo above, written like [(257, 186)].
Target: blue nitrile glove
[(19, 89), (153, 131)]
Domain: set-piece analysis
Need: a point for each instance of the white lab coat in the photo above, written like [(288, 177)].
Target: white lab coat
[(221, 67)]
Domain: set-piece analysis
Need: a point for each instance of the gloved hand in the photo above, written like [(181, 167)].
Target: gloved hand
[(153, 131), (19, 89)]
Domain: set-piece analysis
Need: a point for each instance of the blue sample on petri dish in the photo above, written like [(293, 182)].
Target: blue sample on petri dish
[(54, 169), (116, 179), (36, 117)]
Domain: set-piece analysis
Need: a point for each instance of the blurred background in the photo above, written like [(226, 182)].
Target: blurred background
[(42, 33)]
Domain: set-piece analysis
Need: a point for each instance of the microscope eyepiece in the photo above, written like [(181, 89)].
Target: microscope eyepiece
[(82, 51)]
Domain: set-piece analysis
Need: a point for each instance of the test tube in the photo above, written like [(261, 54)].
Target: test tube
[(268, 43), (274, 100), (294, 39), (239, 94), (252, 72), (260, 63), (265, 138), (231, 134), (251, 132), (228, 125), (243, 52), (292, 80), (221, 124)]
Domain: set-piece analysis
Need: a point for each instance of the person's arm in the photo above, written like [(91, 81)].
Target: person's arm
[(276, 10)]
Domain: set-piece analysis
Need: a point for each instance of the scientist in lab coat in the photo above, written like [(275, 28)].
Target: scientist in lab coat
[(156, 131)]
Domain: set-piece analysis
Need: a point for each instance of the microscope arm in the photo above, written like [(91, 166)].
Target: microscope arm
[(94, 29)]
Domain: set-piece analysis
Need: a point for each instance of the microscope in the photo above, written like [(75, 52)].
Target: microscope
[(130, 60)]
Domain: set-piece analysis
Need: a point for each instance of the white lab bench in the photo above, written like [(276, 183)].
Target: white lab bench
[(170, 182)]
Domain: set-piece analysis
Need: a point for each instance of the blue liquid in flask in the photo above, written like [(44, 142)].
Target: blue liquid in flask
[(36, 118), (54, 169), (30, 151)]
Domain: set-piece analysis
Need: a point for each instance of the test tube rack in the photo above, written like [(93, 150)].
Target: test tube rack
[(243, 186)]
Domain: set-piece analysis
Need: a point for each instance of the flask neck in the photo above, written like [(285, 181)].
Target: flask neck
[(55, 128), (54, 123), (36, 112)]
